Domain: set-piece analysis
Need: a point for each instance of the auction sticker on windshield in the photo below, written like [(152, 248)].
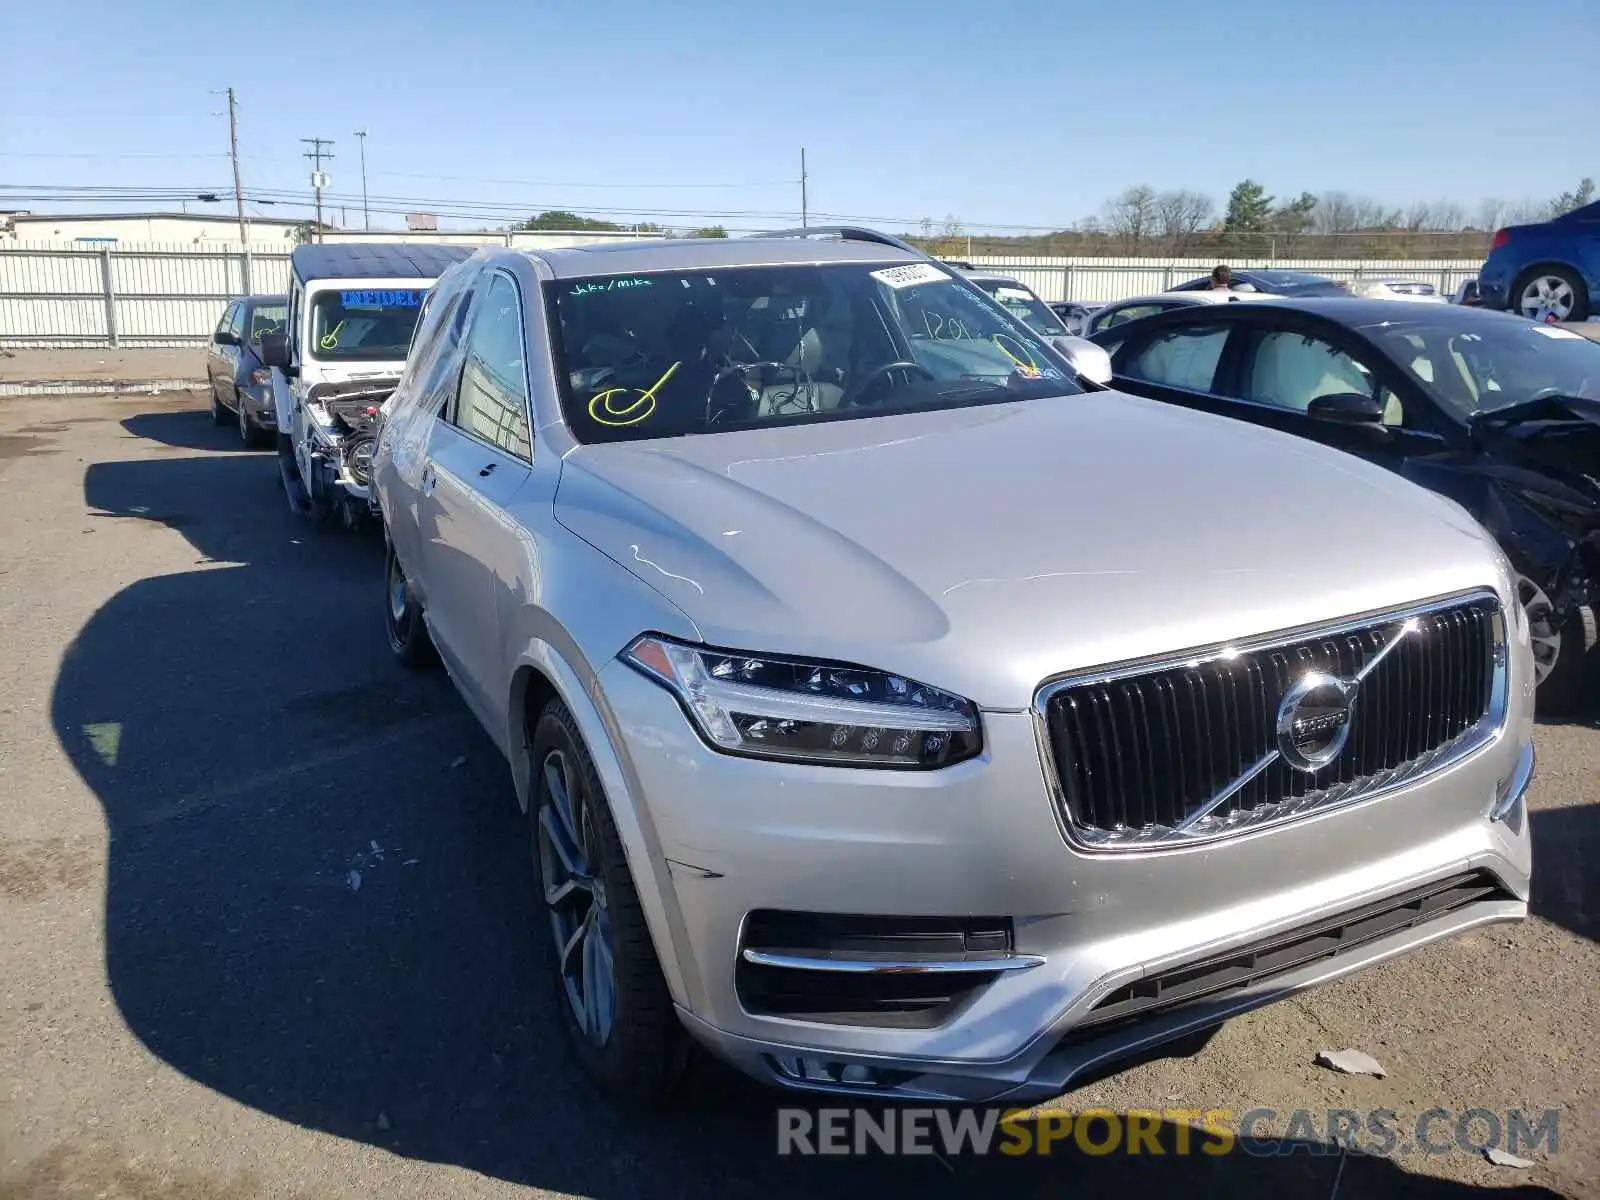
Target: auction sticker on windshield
[(910, 275)]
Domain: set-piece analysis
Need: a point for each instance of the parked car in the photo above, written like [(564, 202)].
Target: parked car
[(1074, 313), (352, 311), (1549, 271), (1416, 290), (1024, 303), (1467, 293), (881, 726), (1271, 282), (241, 386), (1135, 307), (1500, 415)]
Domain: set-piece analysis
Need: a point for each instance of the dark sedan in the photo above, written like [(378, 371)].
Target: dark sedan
[(241, 388), (1549, 271), (1297, 284), (1499, 414)]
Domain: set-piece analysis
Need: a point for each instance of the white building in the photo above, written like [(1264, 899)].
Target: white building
[(120, 229), (83, 230)]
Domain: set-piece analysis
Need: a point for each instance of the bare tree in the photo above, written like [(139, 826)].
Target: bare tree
[(1182, 217), (1132, 216), (1336, 212)]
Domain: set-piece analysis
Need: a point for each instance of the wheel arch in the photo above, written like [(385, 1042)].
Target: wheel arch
[(544, 673)]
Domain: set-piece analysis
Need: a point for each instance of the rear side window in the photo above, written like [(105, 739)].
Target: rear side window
[(1181, 358), (228, 315)]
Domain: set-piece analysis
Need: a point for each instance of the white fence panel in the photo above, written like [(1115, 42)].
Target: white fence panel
[(172, 295)]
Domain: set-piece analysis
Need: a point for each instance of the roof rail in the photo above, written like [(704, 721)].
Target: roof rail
[(845, 233)]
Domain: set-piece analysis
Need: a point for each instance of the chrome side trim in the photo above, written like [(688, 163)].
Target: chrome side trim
[(1195, 829), (880, 966)]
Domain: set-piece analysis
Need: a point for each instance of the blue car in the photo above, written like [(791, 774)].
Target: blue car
[(1549, 271)]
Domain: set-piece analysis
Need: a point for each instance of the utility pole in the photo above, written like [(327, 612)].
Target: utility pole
[(318, 180), (233, 150), (802, 187), (366, 219)]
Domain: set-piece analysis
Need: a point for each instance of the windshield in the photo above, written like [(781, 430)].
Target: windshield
[(1024, 305), (364, 324), (266, 318), (1490, 364), (677, 353)]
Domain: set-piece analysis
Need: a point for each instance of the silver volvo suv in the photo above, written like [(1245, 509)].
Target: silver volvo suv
[(897, 712)]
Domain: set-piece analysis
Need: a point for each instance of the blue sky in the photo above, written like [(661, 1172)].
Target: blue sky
[(1016, 112)]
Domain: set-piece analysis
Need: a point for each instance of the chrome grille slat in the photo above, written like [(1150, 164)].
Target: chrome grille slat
[(1138, 749)]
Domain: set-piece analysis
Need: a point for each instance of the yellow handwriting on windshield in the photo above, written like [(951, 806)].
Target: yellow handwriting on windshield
[(613, 406), (1027, 369), (330, 340)]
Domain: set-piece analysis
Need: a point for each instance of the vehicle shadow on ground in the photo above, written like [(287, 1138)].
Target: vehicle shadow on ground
[(1566, 877), (318, 895), (184, 429)]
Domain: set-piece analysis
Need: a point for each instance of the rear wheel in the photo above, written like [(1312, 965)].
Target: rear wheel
[(408, 633), (610, 992), (219, 415), (1551, 293), (1559, 650)]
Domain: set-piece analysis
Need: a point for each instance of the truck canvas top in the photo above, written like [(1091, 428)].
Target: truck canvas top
[(376, 260)]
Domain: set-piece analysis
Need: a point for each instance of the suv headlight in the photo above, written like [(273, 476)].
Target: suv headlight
[(774, 707)]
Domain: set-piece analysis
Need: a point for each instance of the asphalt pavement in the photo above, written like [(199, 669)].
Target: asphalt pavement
[(265, 913)]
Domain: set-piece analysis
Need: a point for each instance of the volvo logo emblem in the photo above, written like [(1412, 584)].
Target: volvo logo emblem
[(1314, 720)]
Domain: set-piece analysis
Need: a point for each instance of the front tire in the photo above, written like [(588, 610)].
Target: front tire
[(608, 984), (250, 434), (1546, 292), (408, 633), (1559, 657)]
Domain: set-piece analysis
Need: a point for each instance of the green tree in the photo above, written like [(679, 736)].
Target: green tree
[(1249, 209), (568, 222), (710, 231)]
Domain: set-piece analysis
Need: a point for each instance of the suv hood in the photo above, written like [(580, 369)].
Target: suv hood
[(984, 549)]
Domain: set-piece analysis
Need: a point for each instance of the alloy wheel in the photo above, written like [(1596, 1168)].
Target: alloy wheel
[(397, 592), (1543, 632), (1547, 296), (575, 898)]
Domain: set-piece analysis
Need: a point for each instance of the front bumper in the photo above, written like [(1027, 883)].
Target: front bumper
[(739, 836), (258, 405)]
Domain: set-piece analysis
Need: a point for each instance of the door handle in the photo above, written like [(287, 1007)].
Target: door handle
[(488, 470)]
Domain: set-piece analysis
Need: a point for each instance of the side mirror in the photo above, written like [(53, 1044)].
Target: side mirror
[(1346, 408), (225, 337), (1086, 358), (275, 350)]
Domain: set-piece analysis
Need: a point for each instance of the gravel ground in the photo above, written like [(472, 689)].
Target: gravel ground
[(196, 998), (102, 364)]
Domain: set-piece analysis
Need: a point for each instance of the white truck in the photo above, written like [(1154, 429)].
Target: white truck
[(352, 311)]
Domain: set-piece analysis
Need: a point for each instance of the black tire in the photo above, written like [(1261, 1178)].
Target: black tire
[(219, 414), (642, 1054), (402, 619), (1580, 290), (1568, 682)]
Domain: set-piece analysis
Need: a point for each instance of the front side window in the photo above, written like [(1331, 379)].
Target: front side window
[(364, 324), (1289, 370), (493, 401), (675, 353), (1182, 358), (228, 315)]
